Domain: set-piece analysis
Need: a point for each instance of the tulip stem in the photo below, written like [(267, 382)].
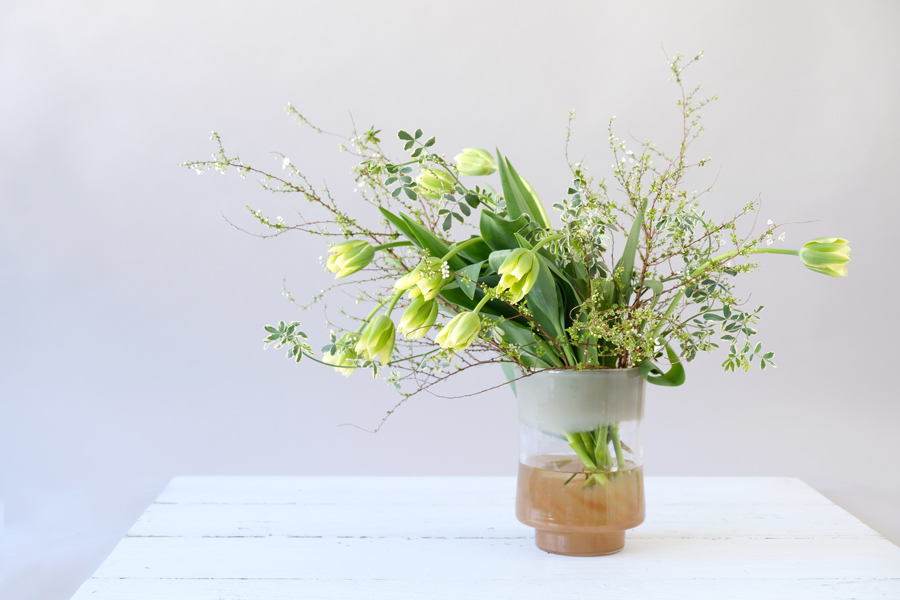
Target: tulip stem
[(392, 245), (481, 304), (394, 302), (617, 446), (775, 251), (393, 362), (314, 359), (699, 271), (459, 247), (547, 240)]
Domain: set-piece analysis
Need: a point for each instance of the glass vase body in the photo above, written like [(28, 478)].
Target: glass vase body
[(581, 482)]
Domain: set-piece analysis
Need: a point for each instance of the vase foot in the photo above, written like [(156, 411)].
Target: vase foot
[(579, 544)]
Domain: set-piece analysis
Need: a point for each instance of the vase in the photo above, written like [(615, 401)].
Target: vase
[(581, 483)]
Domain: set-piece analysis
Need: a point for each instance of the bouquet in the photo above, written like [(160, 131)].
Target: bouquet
[(625, 273)]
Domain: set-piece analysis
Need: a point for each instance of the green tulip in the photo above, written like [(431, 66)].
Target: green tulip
[(409, 280), (475, 161), (433, 276), (433, 184), (344, 360), (377, 340), (519, 272), (418, 318), (349, 257), (460, 332), (827, 256)]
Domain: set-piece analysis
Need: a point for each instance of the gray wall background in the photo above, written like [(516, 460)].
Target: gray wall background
[(132, 312)]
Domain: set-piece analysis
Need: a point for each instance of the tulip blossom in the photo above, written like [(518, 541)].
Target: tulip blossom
[(433, 184), (519, 272), (460, 332), (349, 257), (475, 161), (827, 256), (377, 340), (418, 318)]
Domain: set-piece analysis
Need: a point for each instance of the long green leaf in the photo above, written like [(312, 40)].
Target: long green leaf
[(528, 195), (543, 301), (500, 233), (437, 247), (515, 203), (627, 260), (401, 226), (477, 252), (672, 378), (510, 372)]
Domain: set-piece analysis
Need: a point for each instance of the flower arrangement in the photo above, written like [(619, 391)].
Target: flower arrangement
[(634, 277)]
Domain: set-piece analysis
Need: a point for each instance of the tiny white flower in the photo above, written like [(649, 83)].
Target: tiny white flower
[(781, 237), (768, 241), (770, 222), (285, 163)]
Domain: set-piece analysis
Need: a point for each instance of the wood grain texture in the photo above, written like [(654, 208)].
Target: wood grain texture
[(456, 537)]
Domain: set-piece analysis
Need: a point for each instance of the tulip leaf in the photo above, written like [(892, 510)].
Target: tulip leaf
[(510, 372), (543, 301), (515, 202), (430, 241), (524, 341), (496, 259), (469, 287), (479, 251), (627, 260), (535, 208), (500, 233), (654, 286), (671, 378), (401, 226), (457, 296)]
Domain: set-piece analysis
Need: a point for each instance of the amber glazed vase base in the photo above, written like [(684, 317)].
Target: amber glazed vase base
[(579, 544)]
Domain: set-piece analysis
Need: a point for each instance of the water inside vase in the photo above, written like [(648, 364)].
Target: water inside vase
[(556, 492)]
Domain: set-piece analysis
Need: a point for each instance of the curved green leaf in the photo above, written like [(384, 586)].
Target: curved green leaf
[(401, 226), (515, 202), (477, 252), (500, 233), (543, 301), (529, 197), (627, 260), (672, 378), (428, 240)]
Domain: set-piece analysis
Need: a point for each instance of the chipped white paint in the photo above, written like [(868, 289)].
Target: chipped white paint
[(208, 538)]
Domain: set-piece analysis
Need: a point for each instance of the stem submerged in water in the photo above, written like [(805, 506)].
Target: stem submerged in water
[(617, 446), (592, 447)]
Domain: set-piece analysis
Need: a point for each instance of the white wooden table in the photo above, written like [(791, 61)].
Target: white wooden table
[(216, 538)]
